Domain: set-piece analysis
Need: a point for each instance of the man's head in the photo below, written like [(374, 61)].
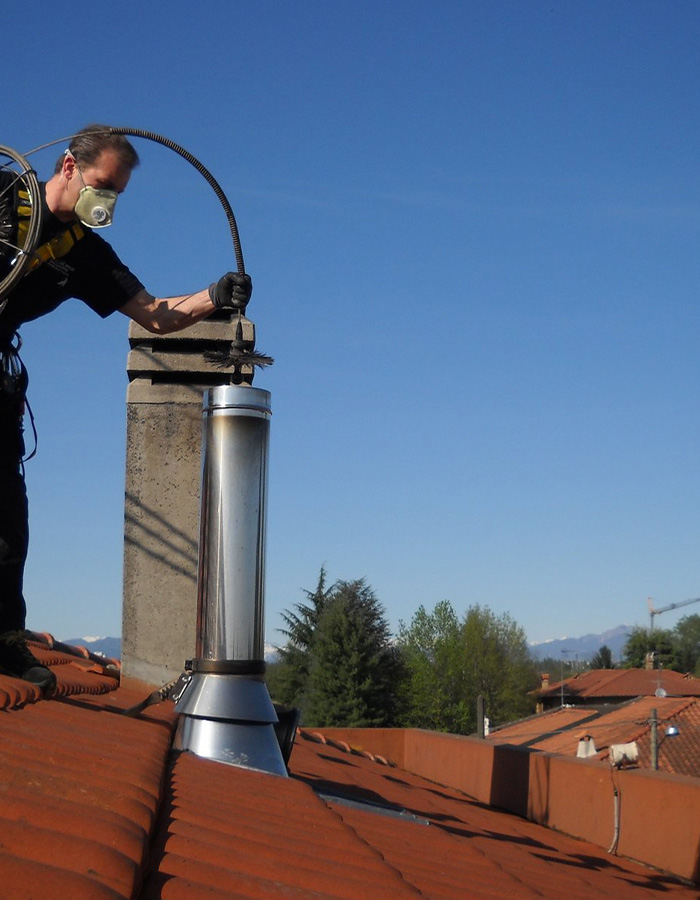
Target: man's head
[(87, 145), (96, 158)]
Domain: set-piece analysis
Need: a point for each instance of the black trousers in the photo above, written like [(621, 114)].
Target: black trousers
[(14, 543), (14, 511)]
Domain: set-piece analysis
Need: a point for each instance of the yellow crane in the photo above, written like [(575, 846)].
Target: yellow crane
[(662, 609)]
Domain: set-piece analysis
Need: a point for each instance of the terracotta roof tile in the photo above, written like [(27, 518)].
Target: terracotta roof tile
[(24, 879), (468, 850), (51, 847), (290, 836), (528, 731), (95, 805), (75, 820), (605, 683), (15, 693), (559, 731), (679, 755), (44, 641), (80, 787)]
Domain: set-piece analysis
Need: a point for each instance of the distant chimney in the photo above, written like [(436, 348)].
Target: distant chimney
[(586, 747), (649, 660), (545, 680)]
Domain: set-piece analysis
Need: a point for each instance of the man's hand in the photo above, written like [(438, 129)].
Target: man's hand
[(231, 291)]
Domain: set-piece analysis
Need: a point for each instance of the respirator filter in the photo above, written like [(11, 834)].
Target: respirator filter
[(95, 207)]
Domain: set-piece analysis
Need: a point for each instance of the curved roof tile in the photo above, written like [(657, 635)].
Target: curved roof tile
[(95, 806)]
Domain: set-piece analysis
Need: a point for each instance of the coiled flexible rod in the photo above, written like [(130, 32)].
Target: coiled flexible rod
[(213, 183)]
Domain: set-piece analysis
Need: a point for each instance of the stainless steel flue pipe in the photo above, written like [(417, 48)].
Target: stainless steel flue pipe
[(225, 708), (230, 602)]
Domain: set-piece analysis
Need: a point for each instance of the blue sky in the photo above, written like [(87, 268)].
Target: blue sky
[(473, 232)]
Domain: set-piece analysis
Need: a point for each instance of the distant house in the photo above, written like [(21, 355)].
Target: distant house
[(614, 686), (563, 731), (609, 707)]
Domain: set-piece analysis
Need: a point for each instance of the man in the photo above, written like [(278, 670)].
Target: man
[(71, 260)]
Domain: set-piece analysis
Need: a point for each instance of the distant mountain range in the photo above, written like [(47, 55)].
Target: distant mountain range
[(112, 647), (105, 646), (583, 648), (568, 648)]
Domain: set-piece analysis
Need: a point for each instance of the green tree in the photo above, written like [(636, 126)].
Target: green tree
[(350, 677), (643, 644), (687, 639), (432, 694), (558, 669), (603, 659), (449, 663), (291, 676), (502, 672), (338, 665)]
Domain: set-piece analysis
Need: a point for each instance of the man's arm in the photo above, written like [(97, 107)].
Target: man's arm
[(168, 314)]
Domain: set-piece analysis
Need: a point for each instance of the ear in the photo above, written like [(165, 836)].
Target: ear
[(68, 169)]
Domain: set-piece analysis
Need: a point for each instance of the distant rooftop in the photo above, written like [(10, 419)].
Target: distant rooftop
[(560, 730), (605, 684)]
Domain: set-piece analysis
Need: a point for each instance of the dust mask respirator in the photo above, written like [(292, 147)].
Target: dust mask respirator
[(95, 206)]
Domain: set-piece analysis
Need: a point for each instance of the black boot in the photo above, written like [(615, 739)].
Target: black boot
[(17, 660)]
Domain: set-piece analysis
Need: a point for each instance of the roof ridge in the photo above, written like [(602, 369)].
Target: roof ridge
[(320, 738)]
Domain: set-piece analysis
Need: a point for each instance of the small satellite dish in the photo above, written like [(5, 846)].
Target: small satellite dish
[(659, 692)]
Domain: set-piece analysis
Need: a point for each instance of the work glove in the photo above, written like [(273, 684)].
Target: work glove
[(231, 291)]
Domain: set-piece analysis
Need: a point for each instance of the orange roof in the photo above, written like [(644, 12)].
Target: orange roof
[(607, 683), (678, 755), (531, 731), (95, 807), (559, 731)]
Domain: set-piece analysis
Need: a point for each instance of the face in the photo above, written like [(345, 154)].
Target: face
[(106, 173)]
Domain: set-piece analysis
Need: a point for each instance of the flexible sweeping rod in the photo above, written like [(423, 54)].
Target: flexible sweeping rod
[(185, 154)]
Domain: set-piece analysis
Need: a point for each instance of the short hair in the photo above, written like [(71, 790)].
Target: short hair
[(87, 145)]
